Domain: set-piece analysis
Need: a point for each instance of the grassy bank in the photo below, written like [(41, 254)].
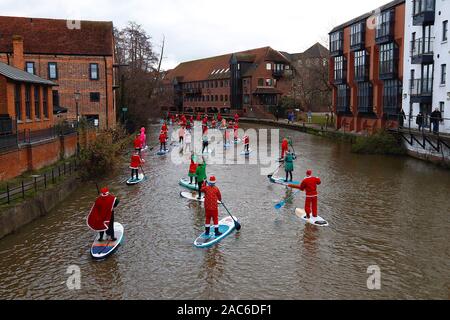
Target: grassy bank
[(381, 143)]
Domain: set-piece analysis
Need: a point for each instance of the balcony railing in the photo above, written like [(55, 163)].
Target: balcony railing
[(421, 90), (423, 12), (422, 51)]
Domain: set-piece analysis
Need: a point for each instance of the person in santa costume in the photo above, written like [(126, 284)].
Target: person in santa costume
[(227, 137), (199, 117), (236, 118), (192, 168), (247, 144), (135, 164), (101, 217), (212, 197), (284, 147), (143, 138), (236, 132), (138, 143), (162, 141), (309, 185), (219, 117)]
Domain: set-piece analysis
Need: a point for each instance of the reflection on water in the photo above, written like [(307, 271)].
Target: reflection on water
[(385, 211)]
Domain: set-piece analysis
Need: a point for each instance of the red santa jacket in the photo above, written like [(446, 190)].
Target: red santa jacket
[(100, 215), (236, 117), (138, 143), (136, 161), (246, 140), (193, 167), (219, 118), (309, 184), (285, 145), (162, 138), (212, 196)]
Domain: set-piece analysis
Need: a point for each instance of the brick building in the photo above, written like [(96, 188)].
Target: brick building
[(249, 82), (366, 69), (77, 56)]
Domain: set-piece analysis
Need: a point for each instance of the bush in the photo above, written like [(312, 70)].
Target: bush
[(379, 143), (104, 156)]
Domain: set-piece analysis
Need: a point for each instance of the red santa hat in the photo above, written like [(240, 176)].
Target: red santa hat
[(104, 191), (309, 173), (212, 180)]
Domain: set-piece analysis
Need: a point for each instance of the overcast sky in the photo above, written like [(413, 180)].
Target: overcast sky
[(196, 29)]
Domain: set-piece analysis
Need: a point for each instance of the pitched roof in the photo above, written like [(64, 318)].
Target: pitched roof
[(365, 16), (218, 67), (22, 76), (316, 51), (53, 36)]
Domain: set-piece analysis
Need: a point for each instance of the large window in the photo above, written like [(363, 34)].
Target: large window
[(388, 59), (365, 97), (28, 101), (37, 102), (357, 35), (443, 74), (339, 69), (385, 25), (392, 91), (336, 42), (52, 70), (55, 95), (421, 6), (18, 100), (361, 65), (93, 71), (343, 99)]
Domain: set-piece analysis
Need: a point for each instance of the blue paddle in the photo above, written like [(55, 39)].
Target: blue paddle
[(283, 203)]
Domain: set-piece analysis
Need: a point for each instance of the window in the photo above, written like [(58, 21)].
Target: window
[(268, 66), (93, 71), (37, 102), (221, 97), (45, 103), (226, 98), (29, 67), (443, 73), (336, 42), (343, 99), (365, 97), (246, 99), (357, 34), (361, 65), (52, 70), (216, 98), (387, 59), (269, 82), (18, 100), (413, 77), (421, 6), (55, 95), (441, 106), (445, 30), (95, 96), (260, 82), (392, 91), (385, 25), (28, 101), (340, 71)]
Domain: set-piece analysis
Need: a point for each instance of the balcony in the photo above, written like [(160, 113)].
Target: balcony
[(278, 73), (362, 73), (422, 51), (421, 90), (423, 12)]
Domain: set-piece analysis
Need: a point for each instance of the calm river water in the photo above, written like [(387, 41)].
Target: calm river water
[(392, 212)]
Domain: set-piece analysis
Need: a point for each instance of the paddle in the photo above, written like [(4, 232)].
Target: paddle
[(283, 203), (143, 171), (236, 224), (271, 175)]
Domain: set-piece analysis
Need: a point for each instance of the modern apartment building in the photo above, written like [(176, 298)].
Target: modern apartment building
[(366, 69), (427, 61)]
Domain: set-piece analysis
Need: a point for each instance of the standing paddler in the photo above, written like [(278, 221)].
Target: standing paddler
[(289, 166), (135, 164), (200, 177), (101, 217), (192, 168), (309, 185), (212, 197)]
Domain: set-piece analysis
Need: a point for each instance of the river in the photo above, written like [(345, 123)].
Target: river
[(390, 212)]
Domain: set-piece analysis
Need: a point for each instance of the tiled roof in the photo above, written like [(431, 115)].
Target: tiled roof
[(52, 36), (22, 76), (218, 67)]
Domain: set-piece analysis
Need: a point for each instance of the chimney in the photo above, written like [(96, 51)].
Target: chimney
[(18, 60)]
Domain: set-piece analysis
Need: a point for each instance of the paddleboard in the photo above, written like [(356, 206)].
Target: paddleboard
[(282, 181), (237, 141), (245, 153), (319, 221), (163, 153), (133, 181), (101, 250), (226, 227), (185, 182), (193, 197)]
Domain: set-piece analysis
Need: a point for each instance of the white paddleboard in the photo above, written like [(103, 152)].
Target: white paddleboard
[(163, 153), (226, 227), (246, 153), (102, 249), (132, 182), (319, 221), (194, 197)]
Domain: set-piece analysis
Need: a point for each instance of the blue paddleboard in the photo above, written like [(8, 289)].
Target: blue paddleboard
[(163, 153), (226, 227), (282, 181)]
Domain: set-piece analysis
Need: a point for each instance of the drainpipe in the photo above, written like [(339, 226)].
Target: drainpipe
[(107, 96)]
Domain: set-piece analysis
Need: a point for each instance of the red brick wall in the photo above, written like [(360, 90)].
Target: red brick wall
[(3, 96)]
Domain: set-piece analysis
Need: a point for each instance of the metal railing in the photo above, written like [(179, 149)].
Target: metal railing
[(421, 87), (422, 46), (424, 124), (11, 192)]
